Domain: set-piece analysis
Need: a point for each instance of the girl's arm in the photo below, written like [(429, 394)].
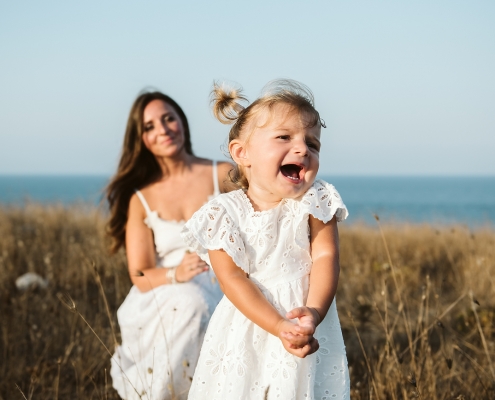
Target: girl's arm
[(323, 279), (249, 300), (140, 250), (326, 267)]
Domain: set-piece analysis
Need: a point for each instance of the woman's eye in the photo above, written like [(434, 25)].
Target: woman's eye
[(169, 119), (148, 128)]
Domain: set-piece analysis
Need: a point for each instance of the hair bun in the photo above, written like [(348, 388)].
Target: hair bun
[(283, 88), (226, 102)]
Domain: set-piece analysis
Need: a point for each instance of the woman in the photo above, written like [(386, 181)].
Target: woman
[(164, 317)]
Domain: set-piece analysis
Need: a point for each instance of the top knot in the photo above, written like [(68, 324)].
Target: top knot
[(282, 89), (226, 102)]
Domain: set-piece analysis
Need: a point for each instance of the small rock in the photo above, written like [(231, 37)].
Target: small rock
[(30, 280)]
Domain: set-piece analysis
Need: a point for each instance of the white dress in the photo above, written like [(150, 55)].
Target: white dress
[(162, 329), (239, 360)]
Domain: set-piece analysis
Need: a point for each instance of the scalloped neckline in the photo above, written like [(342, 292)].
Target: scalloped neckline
[(249, 205), (168, 221)]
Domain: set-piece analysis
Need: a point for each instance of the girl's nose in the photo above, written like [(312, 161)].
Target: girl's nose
[(300, 147)]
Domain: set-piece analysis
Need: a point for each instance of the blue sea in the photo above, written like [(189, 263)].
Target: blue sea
[(437, 200)]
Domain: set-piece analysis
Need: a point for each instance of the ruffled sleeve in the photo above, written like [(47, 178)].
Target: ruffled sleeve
[(212, 228), (323, 201)]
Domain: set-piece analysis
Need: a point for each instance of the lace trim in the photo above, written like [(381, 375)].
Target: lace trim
[(211, 228), (323, 202), (155, 215), (247, 202)]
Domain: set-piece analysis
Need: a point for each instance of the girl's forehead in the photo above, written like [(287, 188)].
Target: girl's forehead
[(284, 116)]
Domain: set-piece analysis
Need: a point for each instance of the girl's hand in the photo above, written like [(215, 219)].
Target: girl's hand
[(308, 320), (295, 343), (190, 266)]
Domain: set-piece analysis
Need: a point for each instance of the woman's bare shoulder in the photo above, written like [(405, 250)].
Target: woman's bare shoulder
[(202, 162), (136, 208), (224, 167)]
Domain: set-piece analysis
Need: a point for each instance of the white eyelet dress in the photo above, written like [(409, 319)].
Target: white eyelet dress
[(239, 360), (162, 329)]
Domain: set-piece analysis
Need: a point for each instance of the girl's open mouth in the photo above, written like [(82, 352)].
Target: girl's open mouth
[(291, 171)]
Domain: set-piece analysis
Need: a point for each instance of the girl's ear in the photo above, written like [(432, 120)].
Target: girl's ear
[(237, 150)]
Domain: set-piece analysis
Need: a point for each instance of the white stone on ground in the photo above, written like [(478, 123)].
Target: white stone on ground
[(30, 280)]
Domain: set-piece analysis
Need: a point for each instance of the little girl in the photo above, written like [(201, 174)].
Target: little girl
[(273, 245)]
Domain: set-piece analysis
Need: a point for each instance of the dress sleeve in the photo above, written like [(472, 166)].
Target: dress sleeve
[(323, 201), (212, 228)]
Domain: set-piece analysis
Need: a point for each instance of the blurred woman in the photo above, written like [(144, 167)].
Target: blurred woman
[(159, 184)]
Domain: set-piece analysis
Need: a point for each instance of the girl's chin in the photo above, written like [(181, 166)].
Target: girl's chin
[(292, 190)]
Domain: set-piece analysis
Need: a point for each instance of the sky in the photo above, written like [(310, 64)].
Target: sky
[(405, 87)]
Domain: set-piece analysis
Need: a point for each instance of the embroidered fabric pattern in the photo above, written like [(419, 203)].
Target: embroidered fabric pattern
[(239, 360)]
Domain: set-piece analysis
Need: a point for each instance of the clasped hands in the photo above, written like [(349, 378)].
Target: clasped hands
[(297, 338)]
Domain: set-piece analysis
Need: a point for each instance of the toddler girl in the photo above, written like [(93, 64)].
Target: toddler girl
[(273, 245)]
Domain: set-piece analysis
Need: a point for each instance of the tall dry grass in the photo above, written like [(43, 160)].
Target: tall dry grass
[(416, 304)]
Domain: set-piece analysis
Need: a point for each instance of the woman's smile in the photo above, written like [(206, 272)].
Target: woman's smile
[(163, 130)]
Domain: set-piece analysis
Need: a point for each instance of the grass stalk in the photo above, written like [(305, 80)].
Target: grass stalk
[(366, 359), (482, 335)]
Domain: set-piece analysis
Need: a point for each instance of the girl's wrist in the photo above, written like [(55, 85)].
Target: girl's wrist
[(278, 327), (316, 315)]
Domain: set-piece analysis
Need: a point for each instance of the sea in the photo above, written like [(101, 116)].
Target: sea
[(436, 200)]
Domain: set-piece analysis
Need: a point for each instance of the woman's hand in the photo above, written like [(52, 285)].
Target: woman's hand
[(190, 266), (295, 342)]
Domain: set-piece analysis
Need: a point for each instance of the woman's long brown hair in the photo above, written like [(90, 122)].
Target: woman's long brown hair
[(137, 167)]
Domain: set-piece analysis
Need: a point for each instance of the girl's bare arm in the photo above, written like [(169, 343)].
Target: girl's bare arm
[(322, 282), (326, 267), (249, 300)]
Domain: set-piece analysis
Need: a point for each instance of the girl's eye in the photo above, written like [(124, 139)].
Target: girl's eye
[(312, 146), (283, 137), (148, 128), (169, 119)]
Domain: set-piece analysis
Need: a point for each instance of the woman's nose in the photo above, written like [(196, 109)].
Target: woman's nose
[(163, 129)]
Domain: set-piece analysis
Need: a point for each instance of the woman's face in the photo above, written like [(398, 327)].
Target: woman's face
[(163, 132)]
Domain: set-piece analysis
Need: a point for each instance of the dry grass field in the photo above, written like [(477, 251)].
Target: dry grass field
[(416, 303)]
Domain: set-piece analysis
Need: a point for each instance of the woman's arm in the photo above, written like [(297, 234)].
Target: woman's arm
[(140, 250), (249, 300)]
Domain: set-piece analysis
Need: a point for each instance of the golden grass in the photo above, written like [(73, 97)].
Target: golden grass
[(416, 304)]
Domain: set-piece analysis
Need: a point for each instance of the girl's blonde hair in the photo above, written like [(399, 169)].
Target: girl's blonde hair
[(227, 108)]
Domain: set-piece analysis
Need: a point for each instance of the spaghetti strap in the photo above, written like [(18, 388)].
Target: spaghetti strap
[(143, 201), (216, 189)]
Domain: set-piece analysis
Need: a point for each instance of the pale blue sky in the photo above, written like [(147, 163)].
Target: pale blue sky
[(406, 87)]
